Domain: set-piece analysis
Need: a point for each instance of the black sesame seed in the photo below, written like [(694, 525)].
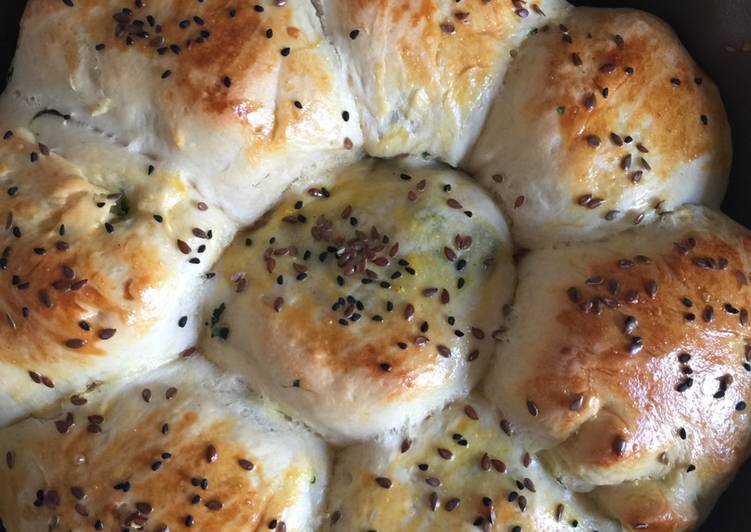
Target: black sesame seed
[(106, 334), (593, 140), (684, 385), (383, 482), (619, 445), (122, 486), (576, 403), (284, 51)]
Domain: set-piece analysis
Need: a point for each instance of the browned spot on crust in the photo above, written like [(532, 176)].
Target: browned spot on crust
[(438, 62), (357, 350), (52, 196), (644, 104), (638, 391), (245, 496)]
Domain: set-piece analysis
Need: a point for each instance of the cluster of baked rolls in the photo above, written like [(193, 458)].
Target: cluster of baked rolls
[(222, 309)]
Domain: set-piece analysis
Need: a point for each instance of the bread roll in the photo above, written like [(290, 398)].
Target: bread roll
[(458, 470), (627, 366), (97, 279), (182, 447), (241, 97), (424, 73), (603, 121), (358, 303)]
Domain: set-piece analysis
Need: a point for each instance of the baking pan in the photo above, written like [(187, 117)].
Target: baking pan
[(718, 35)]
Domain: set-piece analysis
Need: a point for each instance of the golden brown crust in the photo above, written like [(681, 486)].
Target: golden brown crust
[(172, 450), (360, 291), (243, 99), (635, 57), (212, 45), (595, 358), (646, 505), (483, 480), (423, 72), (604, 121), (628, 365), (59, 278), (84, 270), (461, 46)]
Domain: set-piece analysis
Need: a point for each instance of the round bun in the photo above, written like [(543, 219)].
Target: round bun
[(86, 269), (356, 304), (627, 365), (242, 99), (423, 74), (603, 121), (458, 470), (183, 447)]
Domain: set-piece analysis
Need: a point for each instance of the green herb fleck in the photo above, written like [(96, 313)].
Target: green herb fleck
[(120, 208)]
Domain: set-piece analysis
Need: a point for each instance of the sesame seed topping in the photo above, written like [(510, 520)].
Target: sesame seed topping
[(589, 102), (383, 482), (75, 343), (593, 140), (444, 453), (452, 503), (576, 403), (106, 334), (211, 454), (619, 445)]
